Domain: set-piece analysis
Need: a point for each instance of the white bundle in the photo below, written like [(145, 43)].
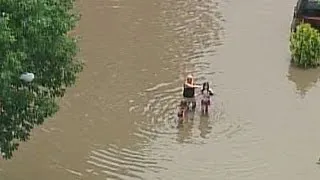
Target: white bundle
[(27, 77)]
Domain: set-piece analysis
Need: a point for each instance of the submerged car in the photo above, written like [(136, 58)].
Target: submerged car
[(306, 11)]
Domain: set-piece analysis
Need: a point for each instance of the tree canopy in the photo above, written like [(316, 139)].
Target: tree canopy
[(34, 37)]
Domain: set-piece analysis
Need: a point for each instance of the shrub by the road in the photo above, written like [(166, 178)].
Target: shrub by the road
[(34, 38), (305, 46)]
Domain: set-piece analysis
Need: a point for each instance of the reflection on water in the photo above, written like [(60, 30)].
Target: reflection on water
[(303, 79), (204, 126), (185, 134)]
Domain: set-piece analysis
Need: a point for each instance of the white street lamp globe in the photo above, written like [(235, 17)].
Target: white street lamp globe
[(27, 77)]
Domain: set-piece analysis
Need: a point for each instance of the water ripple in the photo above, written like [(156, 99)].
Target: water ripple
[(196, 29), (121, 163)]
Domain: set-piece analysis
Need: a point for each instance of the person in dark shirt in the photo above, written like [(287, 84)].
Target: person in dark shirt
[(189, 90)]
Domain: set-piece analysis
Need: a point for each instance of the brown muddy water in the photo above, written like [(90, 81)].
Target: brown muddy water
[(119, 121)]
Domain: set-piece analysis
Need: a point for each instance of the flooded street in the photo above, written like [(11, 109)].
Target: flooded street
[(119, 122)]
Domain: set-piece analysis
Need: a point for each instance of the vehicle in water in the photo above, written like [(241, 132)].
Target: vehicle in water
[(306, 11)]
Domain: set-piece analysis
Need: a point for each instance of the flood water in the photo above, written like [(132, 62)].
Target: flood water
[(119, 122)]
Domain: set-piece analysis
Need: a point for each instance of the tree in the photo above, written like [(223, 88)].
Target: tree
[(34, 37), (305, 46)]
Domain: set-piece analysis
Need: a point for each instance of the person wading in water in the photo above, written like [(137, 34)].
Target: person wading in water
[(189, 91)]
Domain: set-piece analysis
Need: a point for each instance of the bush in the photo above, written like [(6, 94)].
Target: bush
[(34, 38), (305, 46)]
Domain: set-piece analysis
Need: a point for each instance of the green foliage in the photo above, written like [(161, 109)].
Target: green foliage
[(34, 38), (305, 46)]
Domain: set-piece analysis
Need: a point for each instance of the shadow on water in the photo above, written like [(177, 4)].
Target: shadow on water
[(303, 79)]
